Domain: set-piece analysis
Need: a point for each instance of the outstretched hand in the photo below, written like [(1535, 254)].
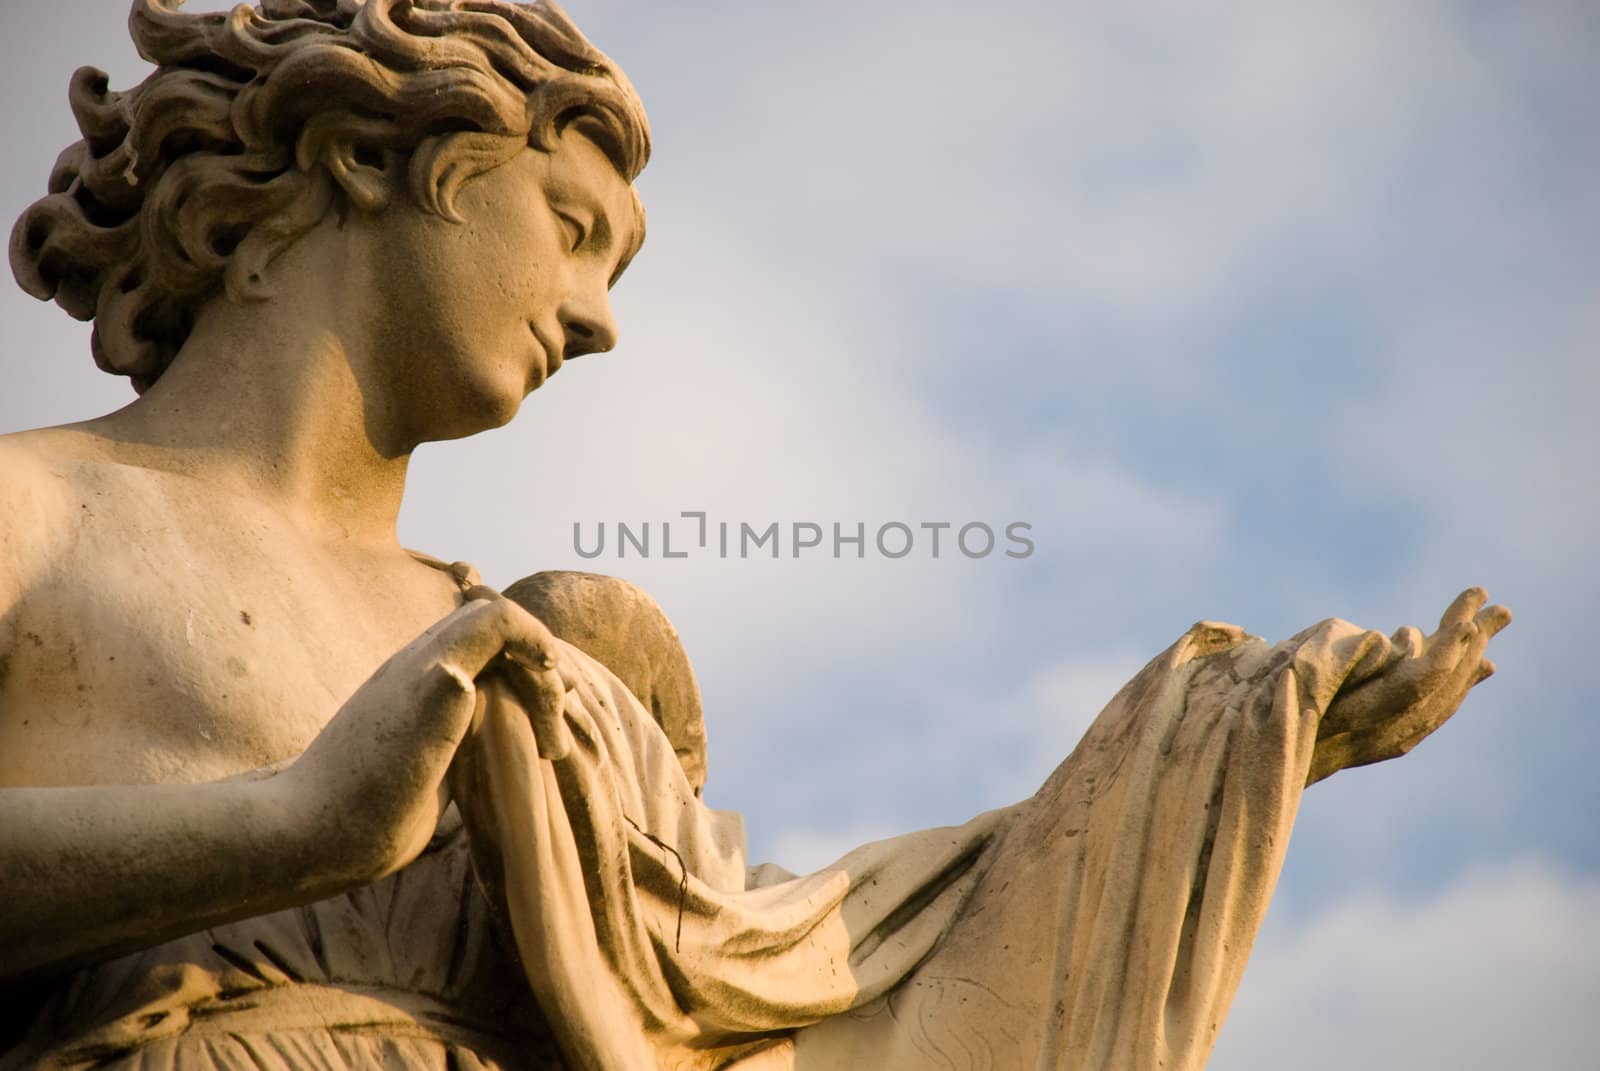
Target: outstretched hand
[(1416, 690)]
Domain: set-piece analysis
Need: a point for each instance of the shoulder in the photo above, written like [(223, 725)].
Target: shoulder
[(35, 488), (41, 482), (36, 480), (42, 469)]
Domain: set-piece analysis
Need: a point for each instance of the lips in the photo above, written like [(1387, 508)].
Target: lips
[(551, 355)]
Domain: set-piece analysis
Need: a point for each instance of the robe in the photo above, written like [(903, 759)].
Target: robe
[(1102, 924)]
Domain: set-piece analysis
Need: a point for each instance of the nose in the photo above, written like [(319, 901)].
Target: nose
[(588, 326)]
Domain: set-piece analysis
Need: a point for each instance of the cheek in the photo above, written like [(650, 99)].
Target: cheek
[(458, 290), (463, 294)]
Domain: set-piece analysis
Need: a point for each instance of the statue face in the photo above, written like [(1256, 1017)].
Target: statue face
[(481, 312)]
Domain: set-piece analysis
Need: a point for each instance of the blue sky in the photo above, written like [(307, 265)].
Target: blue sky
[(1262, 313)]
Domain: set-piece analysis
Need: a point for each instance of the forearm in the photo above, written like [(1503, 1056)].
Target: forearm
[(88, 872)]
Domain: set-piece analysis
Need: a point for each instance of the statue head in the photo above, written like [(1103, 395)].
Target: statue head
[(256, 124)]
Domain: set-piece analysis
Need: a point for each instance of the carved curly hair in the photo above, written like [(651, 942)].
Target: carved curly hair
[(215, 163)]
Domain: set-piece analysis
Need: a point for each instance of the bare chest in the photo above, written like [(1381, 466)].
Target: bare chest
[(168, 648)]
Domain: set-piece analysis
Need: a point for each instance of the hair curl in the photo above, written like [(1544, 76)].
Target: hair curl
[(215, 163)]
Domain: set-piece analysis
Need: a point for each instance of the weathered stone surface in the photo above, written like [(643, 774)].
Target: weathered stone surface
[(278, 793)]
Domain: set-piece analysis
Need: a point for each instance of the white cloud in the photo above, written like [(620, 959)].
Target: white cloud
[(1452, 425), (817, 197), (1498, 970), (804, 851)]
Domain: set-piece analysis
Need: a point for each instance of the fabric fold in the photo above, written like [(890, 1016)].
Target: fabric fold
[(1104, 923), (626, 894)]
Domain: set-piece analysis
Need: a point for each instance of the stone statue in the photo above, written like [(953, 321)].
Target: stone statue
[(277, 793)]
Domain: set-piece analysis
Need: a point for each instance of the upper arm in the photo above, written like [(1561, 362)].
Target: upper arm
[(29, 527)]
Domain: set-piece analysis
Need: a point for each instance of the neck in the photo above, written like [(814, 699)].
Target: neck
[(266, 400)]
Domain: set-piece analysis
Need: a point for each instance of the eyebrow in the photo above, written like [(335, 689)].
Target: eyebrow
[(603, 233), (579, 195)]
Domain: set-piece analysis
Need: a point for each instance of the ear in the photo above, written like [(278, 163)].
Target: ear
[(353, 156), (360, 173)]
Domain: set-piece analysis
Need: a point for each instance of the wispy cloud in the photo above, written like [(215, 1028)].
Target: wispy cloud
[(1262, 312), (1497, 970)]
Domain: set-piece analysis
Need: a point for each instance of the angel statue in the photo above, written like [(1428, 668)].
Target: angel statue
[(278, 793)]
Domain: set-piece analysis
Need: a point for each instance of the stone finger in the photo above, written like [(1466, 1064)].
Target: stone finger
[(475, 634), (1408, 641), (1491, 619), (542, 694), (1460, 611)]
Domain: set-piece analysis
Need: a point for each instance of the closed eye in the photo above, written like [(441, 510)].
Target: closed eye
[(577, 233)]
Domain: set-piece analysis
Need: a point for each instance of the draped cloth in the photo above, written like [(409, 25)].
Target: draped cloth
[(645, 937), (1102, 924), (406, 974)]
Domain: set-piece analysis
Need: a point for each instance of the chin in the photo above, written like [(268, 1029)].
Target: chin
[(497, 395), (493, 412), (482, 411)]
